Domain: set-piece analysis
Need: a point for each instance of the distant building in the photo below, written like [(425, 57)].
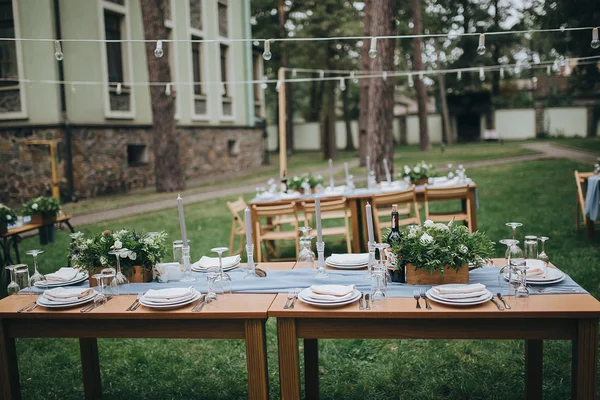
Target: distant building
[(104, 142)]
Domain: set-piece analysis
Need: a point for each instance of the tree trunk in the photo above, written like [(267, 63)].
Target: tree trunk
[(363, 105), (328, 123), (168, 170), (316, 99), (448, 134), (289, 124), (381, 92), (419, 85), (347, 123)]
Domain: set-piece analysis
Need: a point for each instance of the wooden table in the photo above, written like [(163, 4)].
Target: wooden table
[(571, 317), (357, 203)]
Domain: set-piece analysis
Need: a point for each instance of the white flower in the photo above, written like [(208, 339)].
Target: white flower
[(412, 235), (103, 260), (450, 175), (463, 249), (428, 223), (8, 217), (417, 169), (460, 166), (406, 169), (132, 255), (34, 206), (89, 241), (442, 227), (426, 239), (118, 244)]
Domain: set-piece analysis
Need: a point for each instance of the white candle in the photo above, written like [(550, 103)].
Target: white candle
[(318, 218), (388, 176), (182, 220), (248, 219), (370, 223), (331, 181), (346, 169)]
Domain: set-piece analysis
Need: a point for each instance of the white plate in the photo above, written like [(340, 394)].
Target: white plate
[(170, 306), (347, 266), (553, 275), (460, 302), (171, 303), (80, 277), (322, 303), (225, 269), (44, 302)]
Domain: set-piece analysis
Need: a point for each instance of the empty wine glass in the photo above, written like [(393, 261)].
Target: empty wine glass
[(100, 297), (506, 271), (13, 287), (518, 265), (120, 278), (211, 276), (110, 283), (530, 247), (21, 272), (514, 226), (223, 279), (321, 268), (543, 256), (378, 283), (36, 277), (306, 257), (305, 230), (383, 258)]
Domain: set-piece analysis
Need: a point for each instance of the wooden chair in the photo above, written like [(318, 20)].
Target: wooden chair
[(331, 209), (382, 208), (581, 181), (267, 232), (449, 193), (238, 227)]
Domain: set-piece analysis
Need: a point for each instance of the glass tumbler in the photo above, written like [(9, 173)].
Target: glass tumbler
[(530, 247)]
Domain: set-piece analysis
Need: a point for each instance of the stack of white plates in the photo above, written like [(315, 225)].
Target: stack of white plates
[(66, 297), (168, 299), (459, 295), (329, 295), (78, 278), (348, 261), (553, 275), (207, 263)]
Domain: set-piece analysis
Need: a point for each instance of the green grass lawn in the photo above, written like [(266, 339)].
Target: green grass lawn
[(540, 194), (588, 144)]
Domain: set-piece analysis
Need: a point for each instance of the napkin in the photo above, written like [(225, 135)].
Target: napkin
[(349, 259), (333, 290), (317, 296), (458, 289), (64, 274), (171, 295), (211, 262), (66, 294), (461, 295), (535, 268)]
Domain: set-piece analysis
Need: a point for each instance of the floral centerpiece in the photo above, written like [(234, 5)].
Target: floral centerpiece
[(42, 209), (419, 174), (144, 251), (440, 253), (597, 166), (7, 217), (305, 182)]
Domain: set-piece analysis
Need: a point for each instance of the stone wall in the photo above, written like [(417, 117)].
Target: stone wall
[(110, 160)]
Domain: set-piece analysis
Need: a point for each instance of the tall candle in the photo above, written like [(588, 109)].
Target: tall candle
[(318, 218), (388, 176), (370, 223), (331, 181), (346, 169), (248, 219), (182, 220)]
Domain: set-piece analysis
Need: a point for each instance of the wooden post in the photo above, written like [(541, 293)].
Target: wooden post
[(282, 124), (55, 189)]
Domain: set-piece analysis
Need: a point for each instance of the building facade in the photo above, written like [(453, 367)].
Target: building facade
[(101, 123)]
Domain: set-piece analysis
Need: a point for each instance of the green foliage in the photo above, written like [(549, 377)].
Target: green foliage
[(436, 246), (142, 249), (7, 215), (44, 205), (420, 171)]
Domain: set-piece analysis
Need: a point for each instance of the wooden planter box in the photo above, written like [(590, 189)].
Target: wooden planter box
[(416, 276), (41, 219), (135, 275)]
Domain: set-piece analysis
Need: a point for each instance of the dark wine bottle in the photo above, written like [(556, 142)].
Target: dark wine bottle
[(394, 235), (395, 268)]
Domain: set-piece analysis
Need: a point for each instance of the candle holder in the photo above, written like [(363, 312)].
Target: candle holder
[(187, 267), (321, 270), (372, 261), (250, 267)]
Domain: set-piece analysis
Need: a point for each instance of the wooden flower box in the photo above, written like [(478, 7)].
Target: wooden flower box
[(41, 219), (136, 275), (416, 276)]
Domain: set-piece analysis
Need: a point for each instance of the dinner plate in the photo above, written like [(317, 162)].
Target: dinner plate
[(347, 266), (553, 275), (471, 301), (171, 303), (170, 306), (44, 302), (324, 303), (80, 277), (225, 269)]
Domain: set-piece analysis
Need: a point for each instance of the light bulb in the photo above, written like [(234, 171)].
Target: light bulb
[(58, 54), (548, 70), (267, 52), (73, 90), (373, 48), (411, 82), (321, 74), (384, 75), (595, 43), (481, 47), (459, 75), (158, 52), (421, 76), (354, 78), (263, 84), (501, 73), (119, 88), (534, 82), (342, 84), (278, 86), (481, 75), (168, 89), (294, 73)]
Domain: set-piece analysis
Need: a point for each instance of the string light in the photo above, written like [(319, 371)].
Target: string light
[(595, 43), (459, 75), (411, 82), (481, 75), (548, 70), (58, 53), (267, 52), (263, 84), (168, 89), (294, 73), (119, 88), (501, 73), (158, 52), (534, 82), (278, 86), (321, 74), (481, 47), (354, 78), (384, 75), (373, 48), (342, 84)]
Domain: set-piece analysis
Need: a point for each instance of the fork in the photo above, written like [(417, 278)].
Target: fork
[(549, 289), (290, 296), (296, 293), (137, 300), (416, 295), (26, 307), (424, 297), (199, 303)]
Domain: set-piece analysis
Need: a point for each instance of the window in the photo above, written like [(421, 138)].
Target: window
[(11, 102), (198, 63), (222, 10), (114, 51), (196, 14), (137, 154), (167, 6), (226, 104)]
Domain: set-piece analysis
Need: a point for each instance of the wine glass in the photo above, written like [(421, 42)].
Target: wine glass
[(306, 257), (506, 270), (100, 297), (372, 260), (36, 277), (530, 245), (321, 268), (13, 287), (110, 283), (21, 272), (518, 265), (543, 256), (211, 276), (223, 279), (514, 226), (383, 258), (120, 278), (304, 230), (378, 283)]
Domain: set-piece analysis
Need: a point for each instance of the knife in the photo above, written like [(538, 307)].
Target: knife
[(361, 305), (293, 301), (493, 300), (504, 301)]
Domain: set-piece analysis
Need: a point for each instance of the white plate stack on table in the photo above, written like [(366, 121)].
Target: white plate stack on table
[(348, 261), (206, 263), (66, 297), (169, 299), (460, 294), (63, 277), (536, 276), (329, 295)]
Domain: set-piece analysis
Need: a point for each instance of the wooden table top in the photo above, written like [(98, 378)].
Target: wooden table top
[(30, 227)]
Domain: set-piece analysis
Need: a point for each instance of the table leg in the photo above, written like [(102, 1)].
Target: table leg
[(585, 360), (256, 359), (90, 367), (9, 372), (15, 243), (533, 369), (589, 228), (289, 370), (355, 220), (311, 368), (473, 206)]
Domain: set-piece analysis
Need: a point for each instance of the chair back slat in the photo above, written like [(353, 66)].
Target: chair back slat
[(338, 204)]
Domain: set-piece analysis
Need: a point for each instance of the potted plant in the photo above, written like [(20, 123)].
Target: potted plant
[(143, 252), (439, 253), (306, 182), (43, 211), (7, 217), (419, 174)]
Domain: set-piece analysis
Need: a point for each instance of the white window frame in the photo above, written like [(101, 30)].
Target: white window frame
[(201, 33), (127, 60), (230, 88), (21, 85), (174, 59)]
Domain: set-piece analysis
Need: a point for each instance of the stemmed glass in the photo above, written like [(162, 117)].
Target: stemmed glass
[(506, 268), (13, 287), (383, 258), (111, 287), (517, 263), (21, 272), (321, 269), (514, 226), (543, 256), (100, 297), (36, 277), (306, 257), (378, 282), (120, 278), (211, 276), (223, 278)]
